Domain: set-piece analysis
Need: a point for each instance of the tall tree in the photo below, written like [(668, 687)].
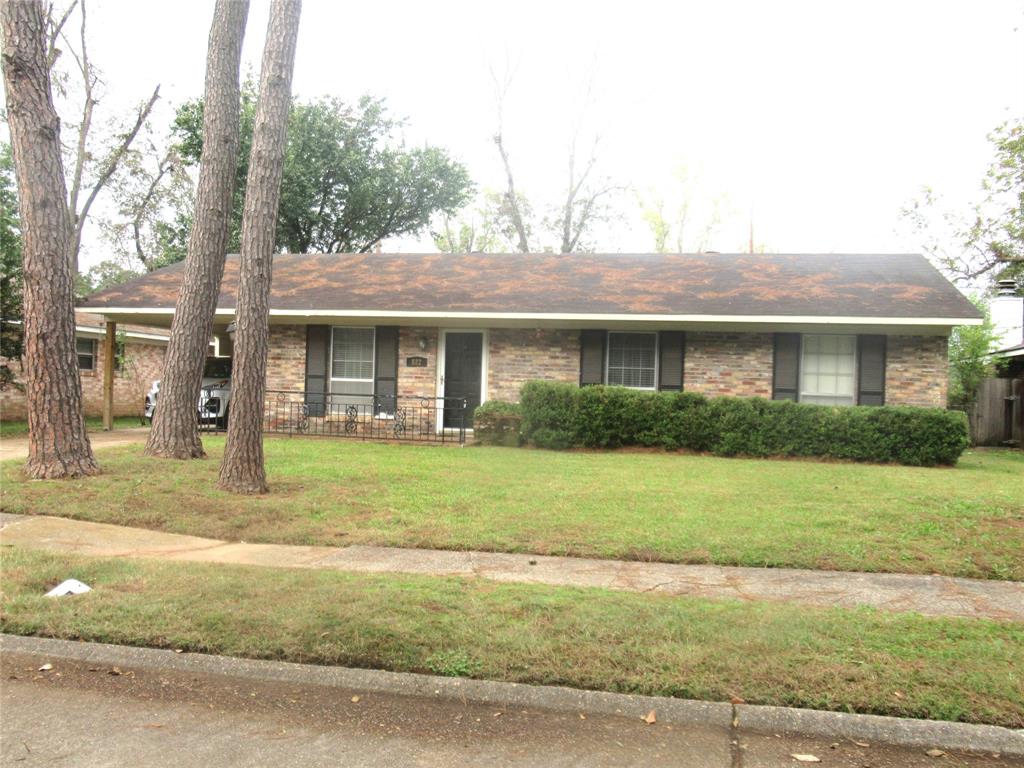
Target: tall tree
[(58, 443), (347, 182), (175, 431), (242, 469), (585, 201), (512, 208)]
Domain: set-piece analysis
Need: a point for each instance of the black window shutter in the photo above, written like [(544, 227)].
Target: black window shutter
[(786, 367), (592, 343), (670, 363), (318, 356), (871, 370), (385, 379)]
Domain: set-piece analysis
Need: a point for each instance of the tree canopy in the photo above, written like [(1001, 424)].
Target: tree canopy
[(347, 182), (969, 360), (988, 238)]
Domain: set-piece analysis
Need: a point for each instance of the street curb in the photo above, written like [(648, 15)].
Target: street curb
[(875, 728)]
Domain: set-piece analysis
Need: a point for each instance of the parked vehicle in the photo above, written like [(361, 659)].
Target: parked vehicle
[(214, 398)]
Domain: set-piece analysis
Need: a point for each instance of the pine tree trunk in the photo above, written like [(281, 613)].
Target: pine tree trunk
[(175, 432), (58, 443), (242, 470)]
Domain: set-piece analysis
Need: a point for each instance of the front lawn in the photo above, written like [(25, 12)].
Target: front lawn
[(963, 521), (765, 653)]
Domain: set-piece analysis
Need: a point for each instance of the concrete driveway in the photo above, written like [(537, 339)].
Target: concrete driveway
[(17, 447)]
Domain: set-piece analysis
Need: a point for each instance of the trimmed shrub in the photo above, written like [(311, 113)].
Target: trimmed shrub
[(563, 415), (497, 422), (549, 413)]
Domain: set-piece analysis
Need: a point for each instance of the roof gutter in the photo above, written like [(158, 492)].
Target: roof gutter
[(576, 316)]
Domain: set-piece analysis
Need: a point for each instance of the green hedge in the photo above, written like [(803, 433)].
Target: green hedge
[(497, 423), (564, 415)]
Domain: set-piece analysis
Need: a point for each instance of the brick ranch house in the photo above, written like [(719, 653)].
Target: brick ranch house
[(141, 360), (836, 329)]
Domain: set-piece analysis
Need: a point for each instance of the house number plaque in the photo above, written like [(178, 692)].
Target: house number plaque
[(416, 362)]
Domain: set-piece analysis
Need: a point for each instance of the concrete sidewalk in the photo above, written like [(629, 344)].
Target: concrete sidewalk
[(17, 447), (929, 595)]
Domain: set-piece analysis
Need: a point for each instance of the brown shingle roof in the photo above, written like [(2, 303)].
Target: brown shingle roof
[(848, 285)]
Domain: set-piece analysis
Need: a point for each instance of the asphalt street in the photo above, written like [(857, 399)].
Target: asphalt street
[(84, 715)]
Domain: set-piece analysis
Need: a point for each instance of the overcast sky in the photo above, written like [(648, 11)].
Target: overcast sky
[(823, 119)]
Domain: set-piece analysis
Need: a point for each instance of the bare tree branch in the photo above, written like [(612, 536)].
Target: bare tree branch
[(109, 168), (511, 198), (165, 167), (54, 31), (81, 154), (79, 212)]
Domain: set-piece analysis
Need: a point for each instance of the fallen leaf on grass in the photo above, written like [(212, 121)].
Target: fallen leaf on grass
[(935, 753), (651, 717), (806, 758), (862, 744), (355, 699), (46, 667)]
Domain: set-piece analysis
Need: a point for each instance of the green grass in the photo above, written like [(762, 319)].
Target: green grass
[(834, 659), (963, 521), (92, 423)]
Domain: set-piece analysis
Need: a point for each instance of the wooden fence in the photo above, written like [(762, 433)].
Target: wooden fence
[(998, 415)]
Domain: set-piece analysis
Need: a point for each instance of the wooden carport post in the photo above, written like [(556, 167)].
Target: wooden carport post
[(109, 363)]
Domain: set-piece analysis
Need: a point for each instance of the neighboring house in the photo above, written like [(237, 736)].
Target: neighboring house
[(1007, 311), (139, 362), (821, 328), (997, 415)]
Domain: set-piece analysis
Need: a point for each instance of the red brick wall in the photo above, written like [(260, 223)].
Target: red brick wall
[(286, 358), (518, 355), (143, 365), (916, 371), (417, 382), (717, 363), (738, 364)]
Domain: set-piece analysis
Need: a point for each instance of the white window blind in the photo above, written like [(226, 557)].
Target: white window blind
[(631, 359), (352, 354), (827, 369)]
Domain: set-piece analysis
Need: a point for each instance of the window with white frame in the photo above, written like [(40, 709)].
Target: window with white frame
[(86, 350), (632, 359), (827, 367), (352, 354)]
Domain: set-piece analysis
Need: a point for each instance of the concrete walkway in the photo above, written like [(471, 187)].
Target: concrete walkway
[(930, 595), (17, 447)]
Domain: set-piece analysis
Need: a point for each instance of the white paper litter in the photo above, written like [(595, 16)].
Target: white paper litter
[(69, 587)]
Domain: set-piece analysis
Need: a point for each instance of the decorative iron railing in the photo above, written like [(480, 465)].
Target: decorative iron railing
[(361, 416)]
